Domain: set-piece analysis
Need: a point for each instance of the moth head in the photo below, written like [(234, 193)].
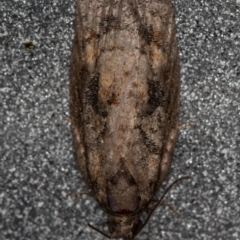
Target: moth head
[(123, 200), (128, 224), (125, 223), (124, 226)]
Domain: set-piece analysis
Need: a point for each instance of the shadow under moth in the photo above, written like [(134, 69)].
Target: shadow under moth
[(124, 104)]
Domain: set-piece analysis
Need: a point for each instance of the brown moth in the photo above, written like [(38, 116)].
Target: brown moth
[(124, 103)]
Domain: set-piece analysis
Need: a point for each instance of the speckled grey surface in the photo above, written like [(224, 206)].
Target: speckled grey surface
[(38, 171)]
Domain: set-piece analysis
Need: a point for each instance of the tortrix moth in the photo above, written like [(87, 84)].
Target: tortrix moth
[(124, 103)]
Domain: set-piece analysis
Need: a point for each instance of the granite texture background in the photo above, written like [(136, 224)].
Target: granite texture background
[(37, 169)]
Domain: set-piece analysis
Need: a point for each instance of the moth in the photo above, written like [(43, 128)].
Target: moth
[(124, 104)]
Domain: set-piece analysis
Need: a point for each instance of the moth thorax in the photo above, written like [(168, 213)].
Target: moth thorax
[(123, 194), (123, 226)]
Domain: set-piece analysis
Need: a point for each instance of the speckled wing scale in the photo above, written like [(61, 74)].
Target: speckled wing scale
[(124, 103)]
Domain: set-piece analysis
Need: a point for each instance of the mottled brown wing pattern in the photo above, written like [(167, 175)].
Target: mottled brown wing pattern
[(124, 102)]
